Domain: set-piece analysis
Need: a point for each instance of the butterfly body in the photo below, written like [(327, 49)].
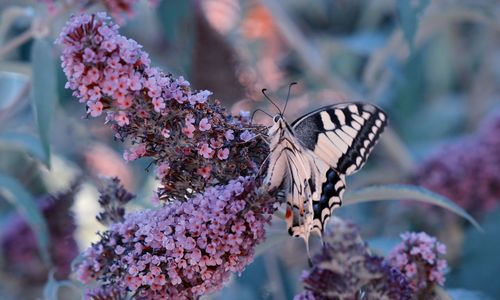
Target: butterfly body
[(311, 156)]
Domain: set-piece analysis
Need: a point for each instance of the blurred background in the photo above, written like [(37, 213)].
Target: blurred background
[(432, 65)]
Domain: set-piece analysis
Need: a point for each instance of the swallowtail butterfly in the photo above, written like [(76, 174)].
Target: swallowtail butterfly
[(310, 158)]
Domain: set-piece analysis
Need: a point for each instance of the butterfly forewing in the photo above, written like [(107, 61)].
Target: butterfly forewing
[(343, 135)]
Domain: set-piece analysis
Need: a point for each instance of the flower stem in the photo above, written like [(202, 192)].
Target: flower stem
[(16, 42)]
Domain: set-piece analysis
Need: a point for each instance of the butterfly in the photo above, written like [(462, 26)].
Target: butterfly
[(310, 158)]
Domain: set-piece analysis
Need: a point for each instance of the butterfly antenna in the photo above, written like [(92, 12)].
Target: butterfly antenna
[(288, 96), (267, 97), (258, 109)]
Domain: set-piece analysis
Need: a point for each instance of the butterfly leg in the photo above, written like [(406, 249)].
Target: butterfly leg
[(263, 164)]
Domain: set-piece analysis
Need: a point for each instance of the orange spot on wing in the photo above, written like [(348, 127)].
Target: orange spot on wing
[(288, 214)]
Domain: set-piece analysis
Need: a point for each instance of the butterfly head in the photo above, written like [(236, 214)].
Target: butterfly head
[(277, 118), (279, 127)]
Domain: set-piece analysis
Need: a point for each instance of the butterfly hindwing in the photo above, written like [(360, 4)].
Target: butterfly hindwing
[(332, 190), (312, 190), (343, 135)]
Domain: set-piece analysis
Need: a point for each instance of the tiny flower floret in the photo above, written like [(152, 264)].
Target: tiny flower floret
[(204, 125), (189, 130), (223, 154), (205, 171), (247, 136), (122, 119), (165, 132), (205, 151), (95, 109), (229, 135), (162, 170)]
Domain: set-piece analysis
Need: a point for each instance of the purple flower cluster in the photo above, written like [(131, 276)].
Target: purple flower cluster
[(20, 249), (419, 258), (193, 141), (345, 269), (467, 171), (184, 249)]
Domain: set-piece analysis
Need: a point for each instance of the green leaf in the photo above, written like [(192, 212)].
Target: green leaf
[(24, 203), (462, 294), (406, 192), (479, 265), (27, 142), (44, 90), (51, 289), (12, 86), (409, 16)]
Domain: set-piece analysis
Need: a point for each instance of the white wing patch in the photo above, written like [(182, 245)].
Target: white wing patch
[(327, 121)]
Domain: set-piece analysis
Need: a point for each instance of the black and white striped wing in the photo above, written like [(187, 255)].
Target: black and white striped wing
[(342, 135), (330, 187)]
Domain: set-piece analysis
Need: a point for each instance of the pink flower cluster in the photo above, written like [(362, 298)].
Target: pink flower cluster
[(193, 140), (419, 257), (117, 8), (184, 249)]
